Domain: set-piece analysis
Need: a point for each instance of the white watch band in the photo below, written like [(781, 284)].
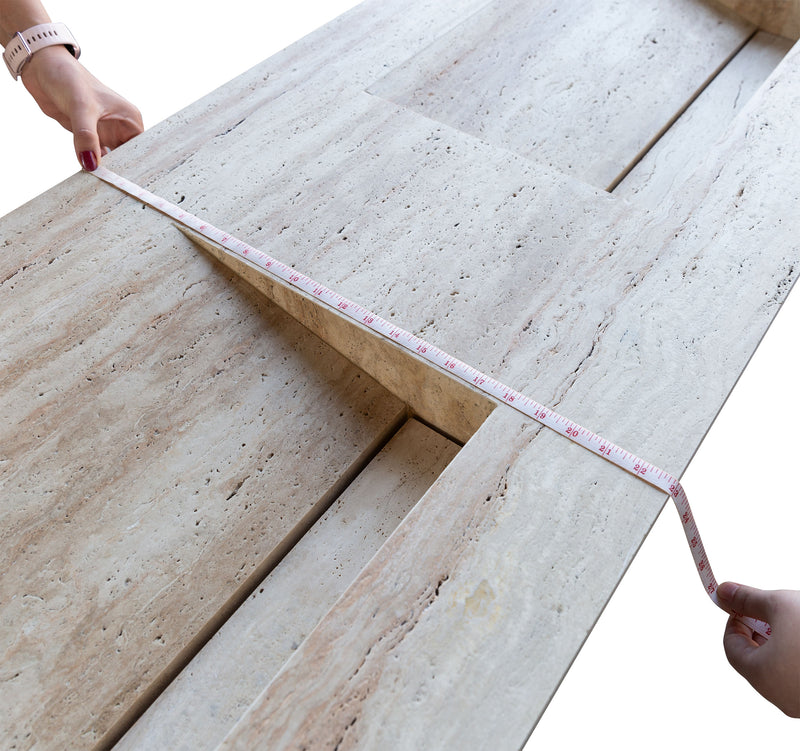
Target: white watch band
[(23, 44)]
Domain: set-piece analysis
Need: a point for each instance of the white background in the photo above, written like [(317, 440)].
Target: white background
[(653, 674)]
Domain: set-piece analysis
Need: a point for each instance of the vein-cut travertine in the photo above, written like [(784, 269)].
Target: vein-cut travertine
[(214, 690), (164, 433), (531, 532), (167, 434), (582, 86)]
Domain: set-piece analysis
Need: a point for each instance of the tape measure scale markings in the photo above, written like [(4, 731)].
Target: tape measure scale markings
[(589, 440)]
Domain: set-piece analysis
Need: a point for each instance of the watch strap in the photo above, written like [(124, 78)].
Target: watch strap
[(24, 43)]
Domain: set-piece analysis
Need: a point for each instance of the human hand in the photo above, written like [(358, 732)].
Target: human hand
[(100, 119), (772, 666)]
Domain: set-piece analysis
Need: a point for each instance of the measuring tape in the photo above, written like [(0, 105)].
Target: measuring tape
[(623, 459)]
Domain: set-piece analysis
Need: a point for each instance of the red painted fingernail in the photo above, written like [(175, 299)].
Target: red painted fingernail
[(88, 161)]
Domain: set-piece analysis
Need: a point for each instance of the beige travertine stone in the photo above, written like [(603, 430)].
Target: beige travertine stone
[(180, 360), (474, 629), (714, 262), (214, 690), (583, 87), (165, 436), (631, 319), (776, 16), (455, 408), (682, 149)]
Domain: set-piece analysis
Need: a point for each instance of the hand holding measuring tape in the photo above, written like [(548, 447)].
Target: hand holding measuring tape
[(771, 666)]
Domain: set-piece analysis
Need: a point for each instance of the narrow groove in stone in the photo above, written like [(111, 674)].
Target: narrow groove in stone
[(689, 102), (238, 598)]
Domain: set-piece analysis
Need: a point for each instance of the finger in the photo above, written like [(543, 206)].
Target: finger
[(87, 145), (114, 131), (743, 600), (740, 647)]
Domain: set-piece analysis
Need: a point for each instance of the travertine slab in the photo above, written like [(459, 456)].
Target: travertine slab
[(683, 148), (206, 700), (165, 436), (530, 538), (715, 265), (583, 87), (633, 321), (136, 389)]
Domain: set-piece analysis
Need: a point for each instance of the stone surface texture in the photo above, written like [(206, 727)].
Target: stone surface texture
[(532, 78), (204, 702), (164, 434), (168, 434)]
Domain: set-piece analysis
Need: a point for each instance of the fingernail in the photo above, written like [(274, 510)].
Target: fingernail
[(88, 161)]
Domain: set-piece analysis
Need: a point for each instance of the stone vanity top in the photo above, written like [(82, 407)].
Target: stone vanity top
[(489, 177)]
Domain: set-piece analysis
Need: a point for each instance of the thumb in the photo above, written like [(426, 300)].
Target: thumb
[(87, 145), (743, 600)]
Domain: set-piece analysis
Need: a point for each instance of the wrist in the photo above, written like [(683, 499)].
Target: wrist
[(49, 57)]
